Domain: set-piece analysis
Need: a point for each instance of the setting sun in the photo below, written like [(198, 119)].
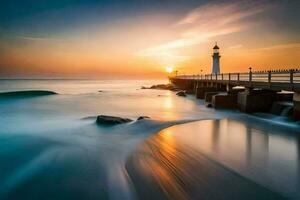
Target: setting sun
[(169, 69)]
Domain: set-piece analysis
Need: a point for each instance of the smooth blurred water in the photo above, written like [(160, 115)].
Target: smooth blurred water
[(264, 153), (49, 149)]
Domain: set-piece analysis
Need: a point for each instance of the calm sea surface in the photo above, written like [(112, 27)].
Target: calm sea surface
[(51, 148)]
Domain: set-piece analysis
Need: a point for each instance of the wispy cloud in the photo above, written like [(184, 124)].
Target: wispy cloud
[(220, 14), (280, 47), (40, 39), (238, 46), (204, 23)]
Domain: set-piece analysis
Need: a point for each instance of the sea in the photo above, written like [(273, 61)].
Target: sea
[(52, 148)]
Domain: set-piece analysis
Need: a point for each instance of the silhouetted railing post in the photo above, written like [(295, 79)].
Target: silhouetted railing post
[(291, 76), (273, 79), (250, 75)]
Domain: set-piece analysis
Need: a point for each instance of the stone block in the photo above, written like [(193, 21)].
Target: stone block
[(225, 101)]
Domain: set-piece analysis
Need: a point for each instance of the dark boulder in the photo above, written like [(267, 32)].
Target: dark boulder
[(209, 105), (143, 117), (26, 93), (170, 87), (175, 89), (162, 87), (181, 94), (111, 120)]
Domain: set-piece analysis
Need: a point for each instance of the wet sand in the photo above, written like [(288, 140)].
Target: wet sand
[(164, 167)]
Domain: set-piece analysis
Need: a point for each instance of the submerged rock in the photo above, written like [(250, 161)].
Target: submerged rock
[(89, 117), (26, 93), (162, 86), (143, 117), (111, 120), (209, 105), (175, 89), (181, 94), (170, 87)]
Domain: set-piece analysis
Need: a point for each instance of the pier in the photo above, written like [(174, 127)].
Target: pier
[(253, 91)]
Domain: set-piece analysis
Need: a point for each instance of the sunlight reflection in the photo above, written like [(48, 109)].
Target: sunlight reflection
[(168, 102), (246, 149), (168, 105), (168, 140), (180, 157)]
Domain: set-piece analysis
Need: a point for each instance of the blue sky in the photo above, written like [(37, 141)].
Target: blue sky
[(43, 16)]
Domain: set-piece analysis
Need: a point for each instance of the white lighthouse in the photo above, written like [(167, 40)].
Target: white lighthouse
[(216, 60)]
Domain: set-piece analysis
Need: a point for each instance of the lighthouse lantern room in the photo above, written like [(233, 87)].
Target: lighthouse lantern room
[(216, 60)]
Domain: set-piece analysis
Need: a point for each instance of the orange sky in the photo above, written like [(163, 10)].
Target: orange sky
[(144, 45)]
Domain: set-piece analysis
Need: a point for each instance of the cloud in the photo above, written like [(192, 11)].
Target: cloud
[(39, 39), (280, 47), (238, 46), (204, 23), (221, 14)]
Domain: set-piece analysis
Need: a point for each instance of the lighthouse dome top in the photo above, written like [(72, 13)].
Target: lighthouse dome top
[(216, 46)]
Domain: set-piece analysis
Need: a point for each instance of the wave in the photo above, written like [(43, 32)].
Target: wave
[(26, 93), (83, 152)]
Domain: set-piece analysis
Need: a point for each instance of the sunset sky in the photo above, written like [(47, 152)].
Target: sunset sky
[(140, 39)]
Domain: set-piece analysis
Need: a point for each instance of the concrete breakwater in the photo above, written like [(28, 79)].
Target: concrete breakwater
[(246, 99)]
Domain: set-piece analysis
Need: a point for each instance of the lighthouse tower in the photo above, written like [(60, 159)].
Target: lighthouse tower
[(216, 60)]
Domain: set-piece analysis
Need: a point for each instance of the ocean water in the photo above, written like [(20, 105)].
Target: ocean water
[(51, 147)]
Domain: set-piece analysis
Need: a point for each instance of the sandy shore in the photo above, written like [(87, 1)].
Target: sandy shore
[(164, 168)]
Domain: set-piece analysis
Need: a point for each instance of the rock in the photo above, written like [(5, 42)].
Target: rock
[(209, 105), (26, 93), (143, 117), (162, 87), (100, 91), (111, 120), (175, 89), (89, 117), (181, 94)]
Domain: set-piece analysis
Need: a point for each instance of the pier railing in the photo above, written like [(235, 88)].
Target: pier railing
[(287, 79)]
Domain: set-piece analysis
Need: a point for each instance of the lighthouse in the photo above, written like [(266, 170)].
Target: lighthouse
[(216, 60)]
